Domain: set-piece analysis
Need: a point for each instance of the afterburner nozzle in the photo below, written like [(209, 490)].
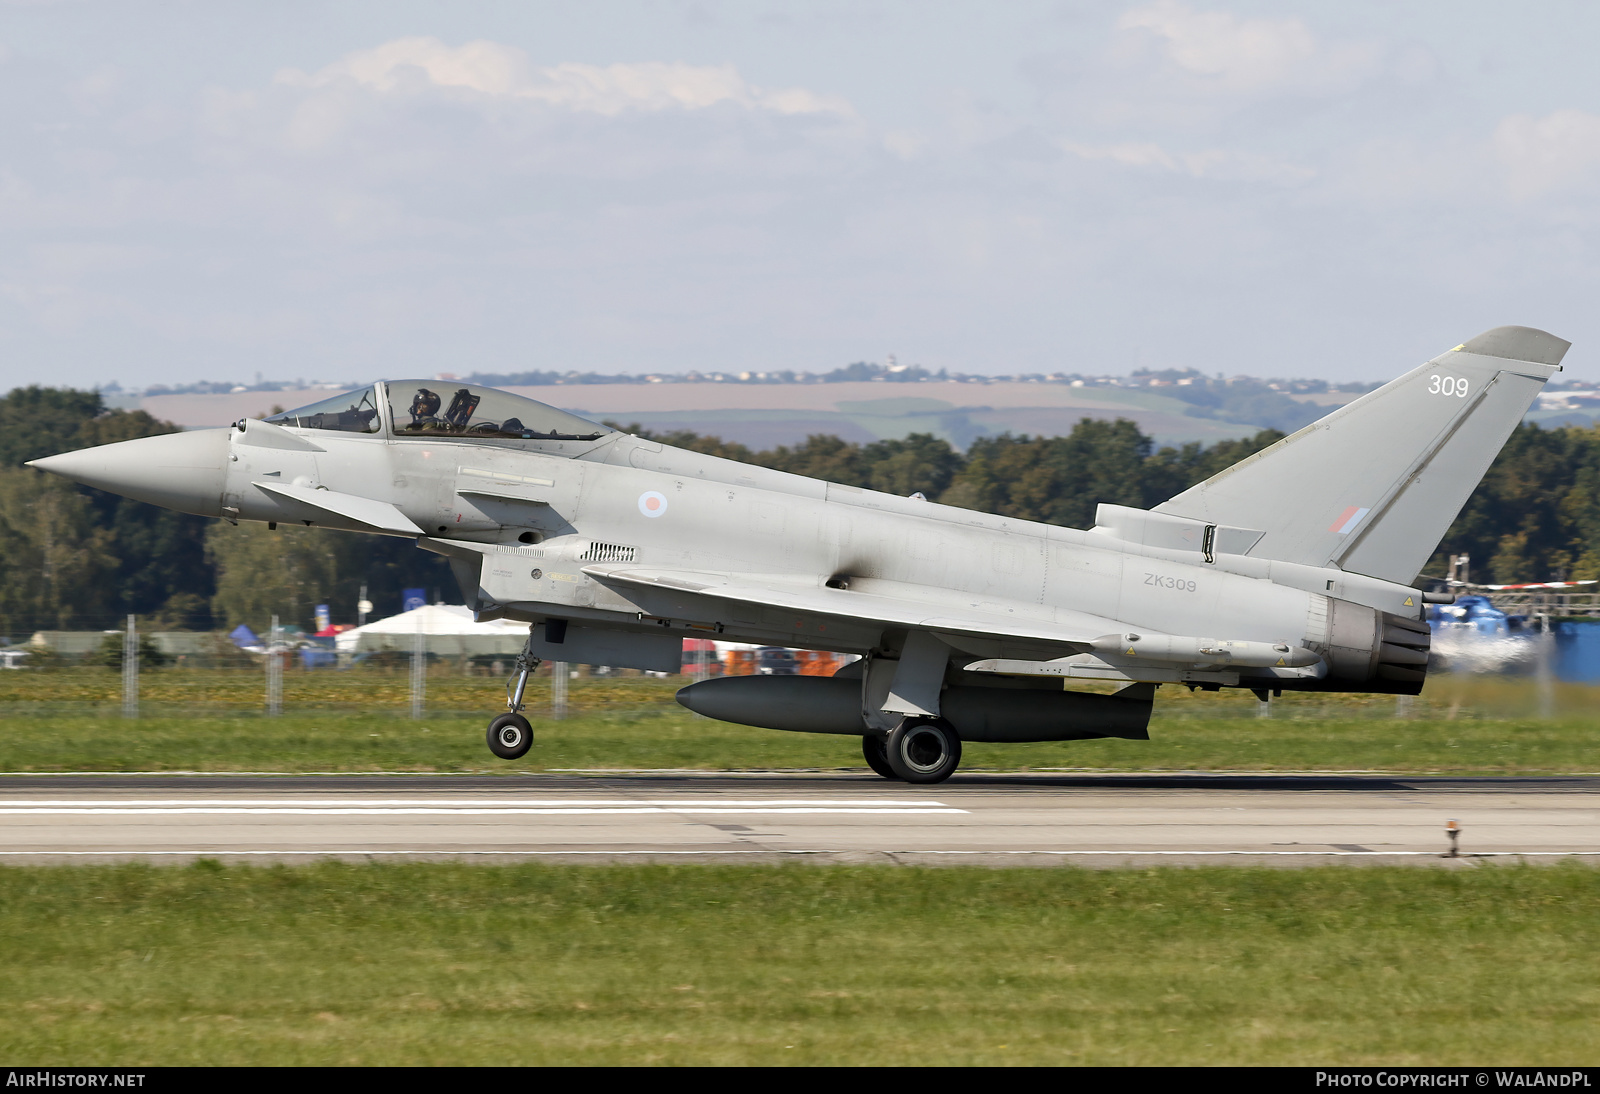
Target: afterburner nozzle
[(182, 471)]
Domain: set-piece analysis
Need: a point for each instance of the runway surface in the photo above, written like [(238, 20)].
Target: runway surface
[(1109, 820)]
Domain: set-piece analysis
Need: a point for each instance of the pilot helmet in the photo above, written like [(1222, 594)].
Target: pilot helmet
[(424, 405)]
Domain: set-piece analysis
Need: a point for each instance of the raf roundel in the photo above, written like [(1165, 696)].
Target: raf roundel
[(652, 504)]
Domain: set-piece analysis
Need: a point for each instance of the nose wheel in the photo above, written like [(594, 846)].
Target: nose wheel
[(510, 736), (921, 751)]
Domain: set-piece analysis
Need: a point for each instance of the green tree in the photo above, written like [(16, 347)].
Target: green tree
[(41, 421), (1533, 517), (54, 559), (1057, 480), (155, 554), (1171, 471), (920, 463), (821, 457), (261, 573), (288, 572), (1580, 509), (693, 442), (150, 656)]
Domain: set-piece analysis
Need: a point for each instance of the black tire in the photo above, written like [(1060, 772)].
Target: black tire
[(877, 755), (510, 736), (922, 751)]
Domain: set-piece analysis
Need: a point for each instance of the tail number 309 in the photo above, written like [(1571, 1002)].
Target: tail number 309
[(1161, 581), (1448, 385)]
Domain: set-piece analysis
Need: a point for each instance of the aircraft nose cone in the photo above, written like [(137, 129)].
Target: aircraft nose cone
[(182, 471)]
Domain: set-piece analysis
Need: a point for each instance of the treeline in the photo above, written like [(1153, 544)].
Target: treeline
[(72, 558), (1535, 516), (858, 372), (1058, 480)]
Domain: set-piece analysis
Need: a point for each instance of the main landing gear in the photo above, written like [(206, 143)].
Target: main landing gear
[(510, 736), (918, 750), (877, 756)]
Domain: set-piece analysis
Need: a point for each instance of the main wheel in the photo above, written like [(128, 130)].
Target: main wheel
[(877, 755), (922, 751), (510, 736)]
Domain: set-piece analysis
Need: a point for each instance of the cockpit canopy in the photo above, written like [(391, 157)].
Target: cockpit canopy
[(352, 412), (429, 408), (434, 408)]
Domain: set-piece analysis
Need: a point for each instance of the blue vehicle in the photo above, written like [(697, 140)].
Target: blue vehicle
[(1474, 612)]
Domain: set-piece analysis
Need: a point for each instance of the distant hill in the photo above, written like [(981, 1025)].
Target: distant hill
[(766, 414)]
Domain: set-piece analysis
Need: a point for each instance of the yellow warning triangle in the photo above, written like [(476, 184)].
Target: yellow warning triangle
[(1409, 603), (1131, 653), (1281, 665)]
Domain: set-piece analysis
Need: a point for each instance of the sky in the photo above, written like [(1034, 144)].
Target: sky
[(346, 190)]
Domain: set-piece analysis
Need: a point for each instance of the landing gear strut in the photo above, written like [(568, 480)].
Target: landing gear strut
[(921, 750), (510, 736)]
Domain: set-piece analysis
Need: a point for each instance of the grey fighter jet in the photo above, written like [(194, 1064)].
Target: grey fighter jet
[(1291, 570)]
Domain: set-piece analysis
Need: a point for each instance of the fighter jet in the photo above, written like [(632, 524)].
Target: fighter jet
[(1293, 570)]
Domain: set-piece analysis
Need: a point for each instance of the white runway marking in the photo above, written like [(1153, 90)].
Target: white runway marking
[(875, 802), (454, 853), (1014, 821), (463, 807), (463, 811)]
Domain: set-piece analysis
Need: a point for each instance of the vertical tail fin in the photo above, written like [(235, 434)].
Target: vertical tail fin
[(1372, 487)]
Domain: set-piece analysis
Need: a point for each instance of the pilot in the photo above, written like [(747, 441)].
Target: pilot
[(424, 410)]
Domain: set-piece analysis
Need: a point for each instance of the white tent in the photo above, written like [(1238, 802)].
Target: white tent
[(449, 631)]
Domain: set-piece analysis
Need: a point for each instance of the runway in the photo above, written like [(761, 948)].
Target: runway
[(1108, 820)]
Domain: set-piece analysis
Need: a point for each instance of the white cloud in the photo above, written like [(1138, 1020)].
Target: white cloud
[(1210, 163), (1554, 152), (499, 71), (1241, 55), (904, 144), (1131, 154)]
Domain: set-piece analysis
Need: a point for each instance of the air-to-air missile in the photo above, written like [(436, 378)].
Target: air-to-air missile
[(1293, 569)]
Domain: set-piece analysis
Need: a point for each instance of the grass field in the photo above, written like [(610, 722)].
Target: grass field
[(443, 964), (470, 964), (344, 722)]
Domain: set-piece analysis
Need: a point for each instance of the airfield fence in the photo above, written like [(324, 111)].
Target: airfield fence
[(127, 677), (127, 670), (454, 689), (1554, 603)]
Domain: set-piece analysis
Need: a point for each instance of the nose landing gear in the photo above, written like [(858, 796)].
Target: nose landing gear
[(510, 736)]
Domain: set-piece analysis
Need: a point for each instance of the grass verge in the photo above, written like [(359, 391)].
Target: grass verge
[(1458, 727), (671, 738), (533, 964)]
